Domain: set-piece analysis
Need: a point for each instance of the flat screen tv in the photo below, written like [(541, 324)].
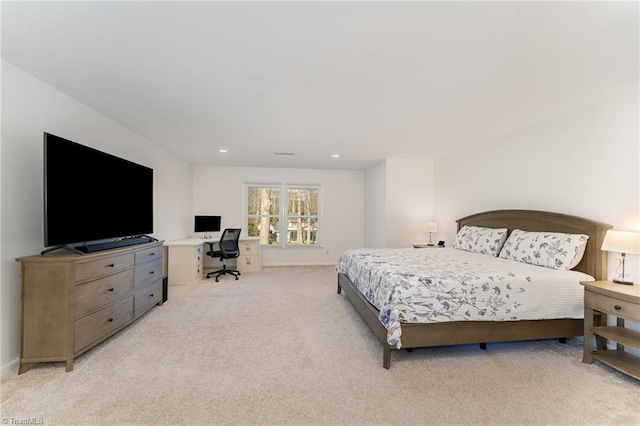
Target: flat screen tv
[(90, 196)]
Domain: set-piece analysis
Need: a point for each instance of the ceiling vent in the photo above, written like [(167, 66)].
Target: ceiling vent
[(284, 153)]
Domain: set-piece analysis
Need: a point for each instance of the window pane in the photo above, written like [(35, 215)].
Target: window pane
[(302, 230), (263, 200), (303, 201), (264, 227), (296, 223)]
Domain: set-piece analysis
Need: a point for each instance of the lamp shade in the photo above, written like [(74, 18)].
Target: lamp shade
[(622, 242), (430, 227)]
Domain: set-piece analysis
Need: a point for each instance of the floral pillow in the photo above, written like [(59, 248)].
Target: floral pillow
[(480, 240), (548, 249)]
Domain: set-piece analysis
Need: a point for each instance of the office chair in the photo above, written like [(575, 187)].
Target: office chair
[(226, 248)]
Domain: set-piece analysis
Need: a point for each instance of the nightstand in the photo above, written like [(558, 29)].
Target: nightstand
[(623, 302)]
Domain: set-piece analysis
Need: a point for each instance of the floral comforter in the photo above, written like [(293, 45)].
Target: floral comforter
[(440, 285)]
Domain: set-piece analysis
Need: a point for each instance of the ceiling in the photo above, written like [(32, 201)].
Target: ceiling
[(364, 80)]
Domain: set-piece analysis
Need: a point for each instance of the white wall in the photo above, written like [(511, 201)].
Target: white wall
[(398, 201), (29, 108), (375, 223), (218, 190), (409, 199), (584, 162)]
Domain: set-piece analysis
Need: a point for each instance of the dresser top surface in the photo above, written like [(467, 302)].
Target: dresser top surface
[(64, 256)]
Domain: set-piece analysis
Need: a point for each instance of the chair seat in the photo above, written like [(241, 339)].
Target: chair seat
[(221, 255)]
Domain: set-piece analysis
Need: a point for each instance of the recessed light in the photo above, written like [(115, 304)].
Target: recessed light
[(335, 155), (222, 150)]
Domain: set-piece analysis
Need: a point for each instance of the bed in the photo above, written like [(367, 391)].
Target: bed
[(468, 327)]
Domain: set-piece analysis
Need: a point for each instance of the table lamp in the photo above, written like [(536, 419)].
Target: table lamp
[(623, 242), (430, 227)]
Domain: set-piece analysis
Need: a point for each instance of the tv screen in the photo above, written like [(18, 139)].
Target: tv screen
[(206, 224), (90, 195)]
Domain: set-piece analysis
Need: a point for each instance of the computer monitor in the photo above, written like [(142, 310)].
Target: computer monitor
[(206, 224)]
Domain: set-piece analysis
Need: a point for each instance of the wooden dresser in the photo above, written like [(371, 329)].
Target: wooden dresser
[(72, 302)]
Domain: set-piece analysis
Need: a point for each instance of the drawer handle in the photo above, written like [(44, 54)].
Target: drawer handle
[(152, 254), (617, 307), (151, 272), (110, 320), (111, 265), (151, 295), (111, 289)]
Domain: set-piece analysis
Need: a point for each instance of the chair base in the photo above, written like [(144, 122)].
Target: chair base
[(224, 271)]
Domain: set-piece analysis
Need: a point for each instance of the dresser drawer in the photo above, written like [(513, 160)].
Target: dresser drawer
[(148, 273), (102, 323), (148, 255), (93, 295), (103, 266), (148, 297), (612, 306)]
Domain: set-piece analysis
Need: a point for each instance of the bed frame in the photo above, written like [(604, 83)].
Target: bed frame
[(594, 263)]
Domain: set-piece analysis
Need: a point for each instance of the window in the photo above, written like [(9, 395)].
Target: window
[(284, 214)]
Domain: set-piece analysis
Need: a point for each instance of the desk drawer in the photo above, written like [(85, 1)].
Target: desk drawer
[(250, 248), (612, 306), (249, 263)]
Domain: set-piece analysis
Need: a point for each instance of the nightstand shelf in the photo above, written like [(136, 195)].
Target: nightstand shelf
[(623, 302), (624, 336), (621, 361)]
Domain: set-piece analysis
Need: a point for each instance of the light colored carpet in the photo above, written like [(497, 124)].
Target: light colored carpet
[(281, 347)]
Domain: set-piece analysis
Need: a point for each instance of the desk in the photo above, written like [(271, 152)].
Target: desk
[(186, 258)]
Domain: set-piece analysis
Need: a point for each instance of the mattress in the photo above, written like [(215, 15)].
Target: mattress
[(444, 284)]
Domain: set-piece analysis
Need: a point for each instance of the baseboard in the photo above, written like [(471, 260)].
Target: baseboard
[(9, 367)]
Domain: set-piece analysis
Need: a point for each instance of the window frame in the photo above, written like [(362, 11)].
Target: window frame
[(283, 214)]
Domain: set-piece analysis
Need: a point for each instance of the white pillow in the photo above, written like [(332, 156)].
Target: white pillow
[(549, 249), (480, 240)]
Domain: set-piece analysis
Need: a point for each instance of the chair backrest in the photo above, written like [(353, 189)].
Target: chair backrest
[(229, 243)]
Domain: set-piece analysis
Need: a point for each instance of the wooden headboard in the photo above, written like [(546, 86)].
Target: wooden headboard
[(594, 261)]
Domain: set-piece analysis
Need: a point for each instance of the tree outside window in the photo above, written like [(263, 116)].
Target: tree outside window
[(302, 215), (297, 225)]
